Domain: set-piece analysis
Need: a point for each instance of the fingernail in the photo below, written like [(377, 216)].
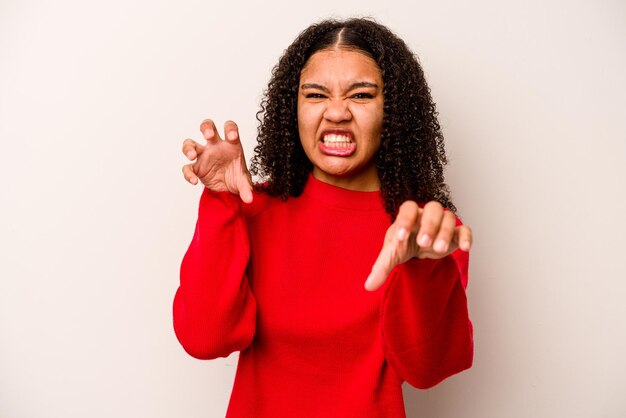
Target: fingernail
[(465, 245), (232, 135), (190, 155), (208, 132), (402, 234), (441, 246), (424, 241)]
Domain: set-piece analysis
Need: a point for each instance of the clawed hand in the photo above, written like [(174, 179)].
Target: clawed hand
[(220, 164), (429, 232)]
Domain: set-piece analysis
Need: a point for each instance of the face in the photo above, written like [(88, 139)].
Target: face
[(340, 117)]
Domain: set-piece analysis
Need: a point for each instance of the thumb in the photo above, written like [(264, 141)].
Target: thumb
[(245, 189), (381, 269)]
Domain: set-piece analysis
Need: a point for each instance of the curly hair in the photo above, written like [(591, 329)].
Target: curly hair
[(411, 157)]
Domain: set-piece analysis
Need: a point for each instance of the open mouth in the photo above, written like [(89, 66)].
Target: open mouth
[(337, 143)]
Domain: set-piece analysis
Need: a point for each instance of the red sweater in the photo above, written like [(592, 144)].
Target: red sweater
[(282, 282)]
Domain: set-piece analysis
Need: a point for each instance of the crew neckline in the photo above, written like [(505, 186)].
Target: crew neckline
[(338, 196)]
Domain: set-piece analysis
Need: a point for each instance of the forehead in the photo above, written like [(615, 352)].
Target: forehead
[(340, 64)]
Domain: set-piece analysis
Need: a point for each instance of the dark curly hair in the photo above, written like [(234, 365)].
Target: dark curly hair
[(411, 157)]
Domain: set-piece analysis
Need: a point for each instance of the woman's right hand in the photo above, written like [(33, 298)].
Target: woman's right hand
[(220, 164)]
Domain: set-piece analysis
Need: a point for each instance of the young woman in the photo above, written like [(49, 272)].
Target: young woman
[(343, 273)]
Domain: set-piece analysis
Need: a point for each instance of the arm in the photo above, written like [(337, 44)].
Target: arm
[(427, 334), (214, 309)]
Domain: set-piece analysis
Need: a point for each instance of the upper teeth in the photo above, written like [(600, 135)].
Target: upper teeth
[(336, 138)]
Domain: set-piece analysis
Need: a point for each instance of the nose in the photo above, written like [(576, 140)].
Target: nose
[(337, 111)]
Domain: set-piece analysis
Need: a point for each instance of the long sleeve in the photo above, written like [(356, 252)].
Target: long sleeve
[(214, 308), (427, 334)]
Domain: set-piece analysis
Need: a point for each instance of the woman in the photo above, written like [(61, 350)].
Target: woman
[(291, 271)]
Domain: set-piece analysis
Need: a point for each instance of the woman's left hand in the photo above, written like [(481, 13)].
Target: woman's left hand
[(429, 232)]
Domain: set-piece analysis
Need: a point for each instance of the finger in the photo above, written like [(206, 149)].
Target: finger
[(406, 221), (209, 132), (444, 239), (381, 269), (231, 131), (245, 189), (463, 236), (191, 149), (189, 174), (429, 223)]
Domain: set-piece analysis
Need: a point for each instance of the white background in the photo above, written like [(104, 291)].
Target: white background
[(96, 98)]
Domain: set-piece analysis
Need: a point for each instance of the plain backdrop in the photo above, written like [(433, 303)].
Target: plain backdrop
[(97, 97)]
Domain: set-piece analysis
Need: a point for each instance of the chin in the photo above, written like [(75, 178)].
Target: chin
[(337, 172)]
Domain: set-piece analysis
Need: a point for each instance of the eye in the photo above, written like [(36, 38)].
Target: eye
[(362, 96), (315, 96)]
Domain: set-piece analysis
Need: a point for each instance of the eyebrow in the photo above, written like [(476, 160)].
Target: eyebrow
[(358, 84)]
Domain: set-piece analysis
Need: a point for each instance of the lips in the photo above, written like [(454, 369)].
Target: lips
[(337, 143)]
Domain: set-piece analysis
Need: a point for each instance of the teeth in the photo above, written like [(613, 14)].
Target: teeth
[(340, 141)]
